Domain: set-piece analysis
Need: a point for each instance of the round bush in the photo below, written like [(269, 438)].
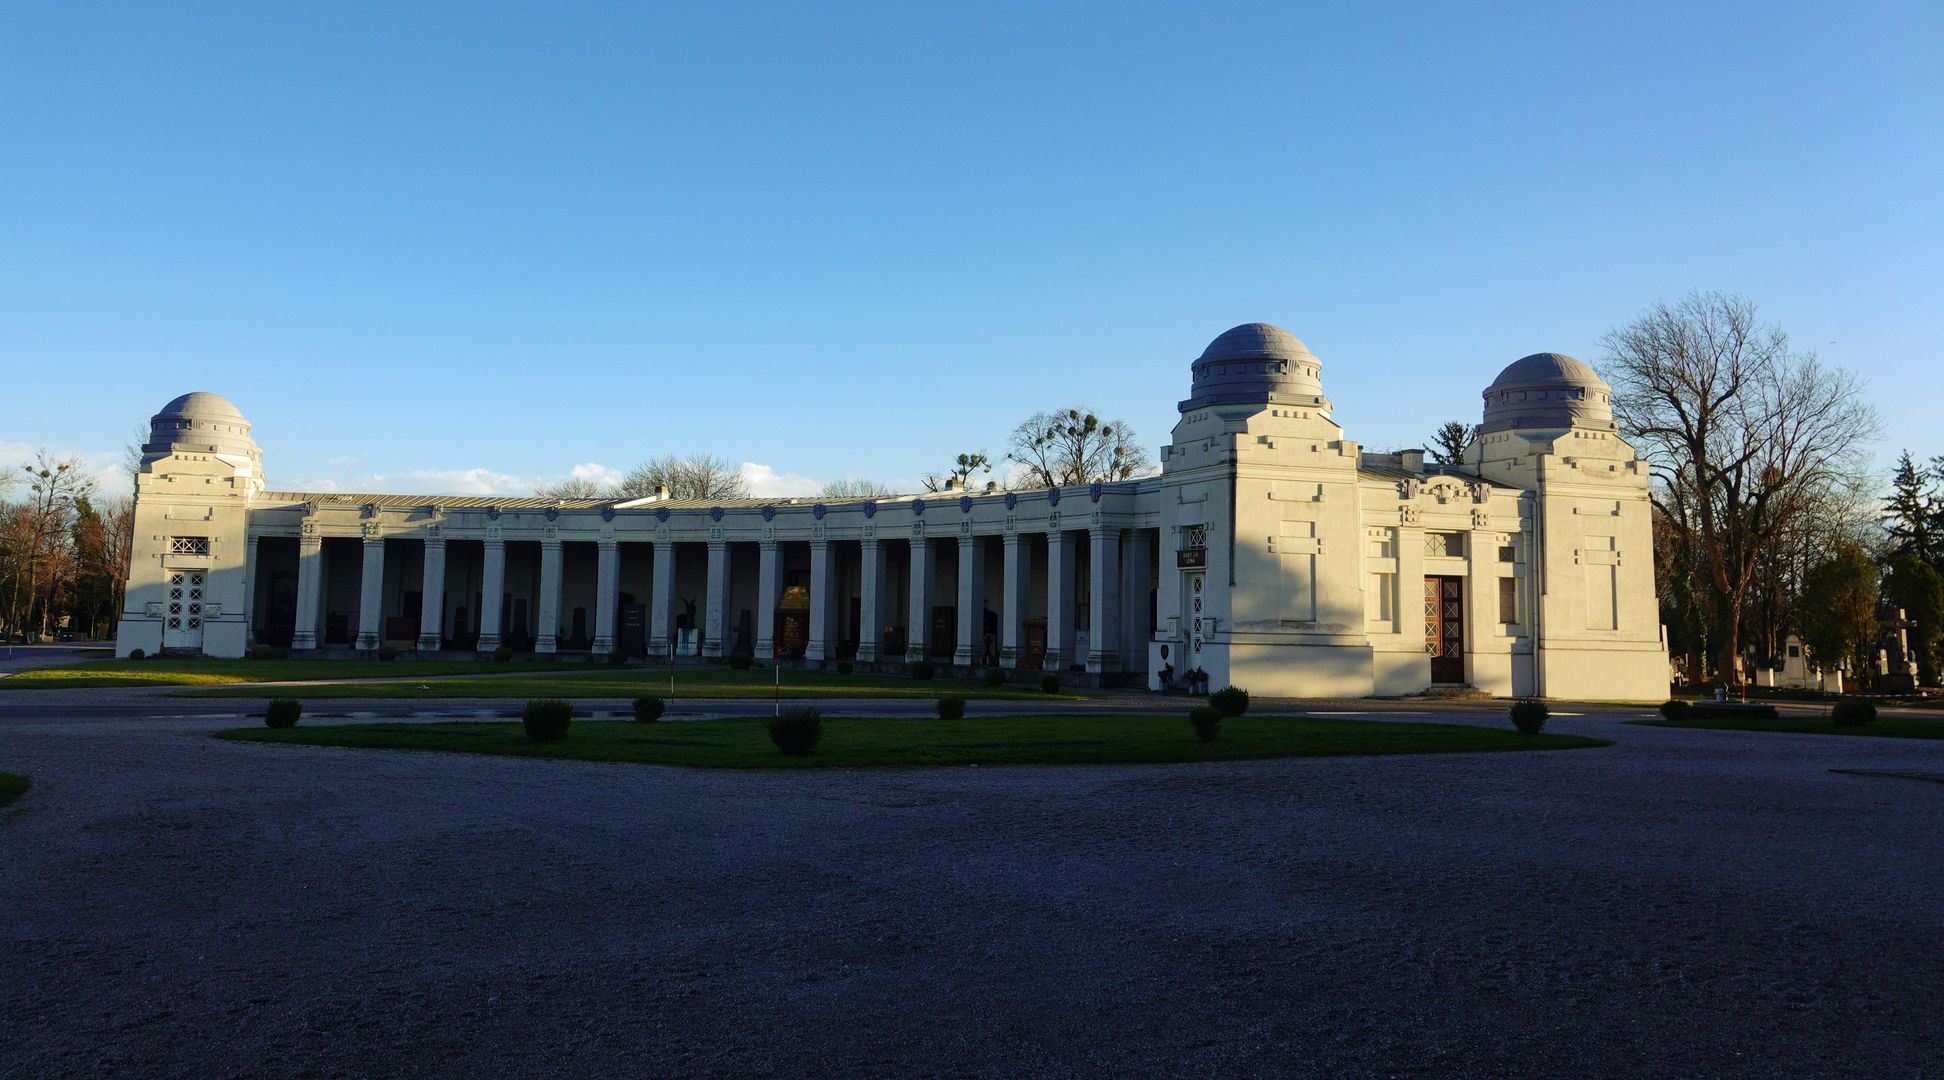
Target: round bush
[(1530, 716), (845, 667), (283, 712), (1049, 683), (546, 720), (387, 652), (922, 669), (995, 676), (1852, 712), (795, 731), (647, 710), (1676, 710), (740, 661), (260, 651), (502, 654), (136, 654), (1207, 721), (951, 707), (1230, 700)]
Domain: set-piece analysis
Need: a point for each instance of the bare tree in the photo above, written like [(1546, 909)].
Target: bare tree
[(698, 476), (1073, 446), (850, 488), (961, 471), (574, 487), (37, 536), (1745, 436), (1448, 444)]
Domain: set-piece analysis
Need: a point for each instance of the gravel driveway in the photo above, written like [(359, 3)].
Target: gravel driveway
[(1683, 903)]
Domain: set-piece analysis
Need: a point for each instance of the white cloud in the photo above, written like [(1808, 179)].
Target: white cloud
[(105, 466), (475, 481), (763, 480), (604, 475)]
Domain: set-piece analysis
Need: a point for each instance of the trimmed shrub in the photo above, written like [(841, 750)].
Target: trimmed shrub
[(951, 707), (260, 651), (282, 712), (1050, 683), (647, 710), (502, 654), (1676, 710), (845, 667), (546, 719), (740, 661), (1529, 715), (795, 731), (1207, 721), (995, 676), (1852, 712), (387, 652), (1230, 700), (922, 669), (136, 654)]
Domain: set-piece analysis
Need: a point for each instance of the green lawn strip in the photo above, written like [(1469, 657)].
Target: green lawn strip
[(171, 671), (12, 786), (630, 682), (890, 742), (1890, 727)]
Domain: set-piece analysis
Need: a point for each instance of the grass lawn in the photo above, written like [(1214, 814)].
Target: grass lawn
[(602, 681), (861, 743), (1892, 727), (186, 671), (12, 786)]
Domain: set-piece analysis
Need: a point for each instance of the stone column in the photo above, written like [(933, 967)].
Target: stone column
[(971, 604), (432, 598), (823, 604), (769, 586), (607, 587), (870, 603), (250, 587), (371, 593), (1103, 583), (1061, 558), (310, 560), (548, 639), (661, 602), (1135, 631), (492, 589), (715, 606), (1013, 600), (924, 577)]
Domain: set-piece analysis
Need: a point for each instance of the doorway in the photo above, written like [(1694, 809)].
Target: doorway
[(1444, 628)]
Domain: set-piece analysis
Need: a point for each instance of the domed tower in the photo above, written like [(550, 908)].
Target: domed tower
[(187, 571), (1548, 429), (1259, 486)]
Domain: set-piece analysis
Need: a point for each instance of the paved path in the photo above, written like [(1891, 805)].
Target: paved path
[(31, 657), (1683, 903)]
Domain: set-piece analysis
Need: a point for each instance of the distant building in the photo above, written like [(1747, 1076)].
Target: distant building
[(1270, 552)]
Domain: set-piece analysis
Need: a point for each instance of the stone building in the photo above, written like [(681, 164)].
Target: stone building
[(1270, 552)]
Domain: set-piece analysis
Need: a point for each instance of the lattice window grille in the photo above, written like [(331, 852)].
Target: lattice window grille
[(189, 545)]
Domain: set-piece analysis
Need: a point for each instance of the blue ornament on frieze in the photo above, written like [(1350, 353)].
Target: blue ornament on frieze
[(818, 511), (965, 504), (1053, 496), (769, 513), (870, 508), (607, 513), (1094, 489), (553, 513), (661, 513), (493, 513), (1012, 500), (715, 513), (917, 506), (368, 510)]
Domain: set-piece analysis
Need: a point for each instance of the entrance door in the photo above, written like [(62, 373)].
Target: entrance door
[(1191, 591), (1444, 628), (183, 627)]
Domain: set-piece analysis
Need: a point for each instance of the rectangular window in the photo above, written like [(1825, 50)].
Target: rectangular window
[(1444, 545), (189, 545), (1508, 553), (1509, 601)]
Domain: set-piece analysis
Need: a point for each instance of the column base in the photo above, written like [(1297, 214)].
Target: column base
[(1103, 663), (428, 643), (867, 652), (488, 642), (603, 646), (301, 640), (367, 642), (1008, 656), (965, 657), (547, 645)]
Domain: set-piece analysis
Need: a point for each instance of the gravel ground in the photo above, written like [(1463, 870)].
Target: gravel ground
[(1689, 903)]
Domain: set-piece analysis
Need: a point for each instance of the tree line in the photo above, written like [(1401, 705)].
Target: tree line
[(63, 551)]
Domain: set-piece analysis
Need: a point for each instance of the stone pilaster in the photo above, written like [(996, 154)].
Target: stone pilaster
[(1061, 560), (432, 597), (971, 603), (769, 586), (1103, 584), (492, 594), (310, 560), (607, 588), (715, 606), (371, 591), (548, 639), (1013, 600)]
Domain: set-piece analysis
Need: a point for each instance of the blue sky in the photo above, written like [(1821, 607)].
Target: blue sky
[(472, 247)]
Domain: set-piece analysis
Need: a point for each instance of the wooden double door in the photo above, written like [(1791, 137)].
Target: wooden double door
[(1444, 628)]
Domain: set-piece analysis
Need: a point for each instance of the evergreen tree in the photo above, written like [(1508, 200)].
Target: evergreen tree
[(1914, 512)]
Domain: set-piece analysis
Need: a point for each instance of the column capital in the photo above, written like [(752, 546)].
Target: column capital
[(552, 542), (717, 543)]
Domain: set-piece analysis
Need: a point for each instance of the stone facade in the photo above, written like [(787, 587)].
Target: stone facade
[(1270, 552)]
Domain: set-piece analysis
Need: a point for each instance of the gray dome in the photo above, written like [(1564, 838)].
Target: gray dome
[(201, 423), (1256, 364), (1548, 390)]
